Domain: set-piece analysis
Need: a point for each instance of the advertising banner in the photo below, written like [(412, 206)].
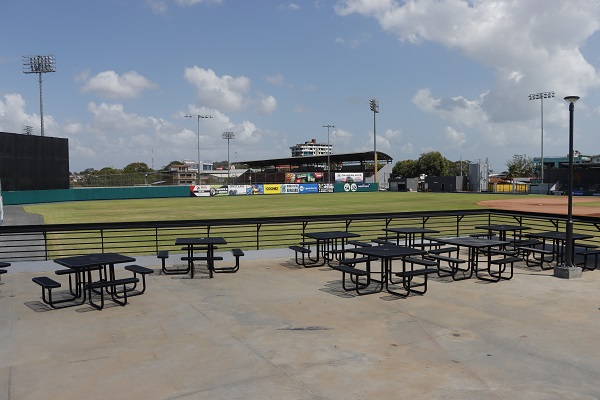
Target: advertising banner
[(356, 187), (290, 188), (272, 188), (349, 177), (304, 188), (236, 190), (325, 187), (208, 190), (255, 189)]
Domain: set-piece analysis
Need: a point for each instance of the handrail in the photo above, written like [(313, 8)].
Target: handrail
[(35, 242)]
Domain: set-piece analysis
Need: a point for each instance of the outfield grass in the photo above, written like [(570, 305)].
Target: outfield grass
[(191, 208)]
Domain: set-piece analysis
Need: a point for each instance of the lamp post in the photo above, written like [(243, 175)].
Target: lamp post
[(374, 105), (542, 96), (568, 269), (328, 153), (228, 136), (39, 65), (198, 116)]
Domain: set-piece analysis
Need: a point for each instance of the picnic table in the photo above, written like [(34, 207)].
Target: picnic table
[(193, 245), (83, 266), (558, 240), (474, 246), (330, 245), (387, 254), (503, 229), (410, 234)]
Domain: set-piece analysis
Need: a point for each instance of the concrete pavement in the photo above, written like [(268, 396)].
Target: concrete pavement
[(278, 331)]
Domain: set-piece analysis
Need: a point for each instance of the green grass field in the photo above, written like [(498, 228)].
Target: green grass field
[(191, 208)]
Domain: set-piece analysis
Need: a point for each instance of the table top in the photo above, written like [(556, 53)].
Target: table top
[(331, 235), (558, 235), (204, 240), (388, 251), (410, 229), (468, 241), (93, 260), (502, 227)]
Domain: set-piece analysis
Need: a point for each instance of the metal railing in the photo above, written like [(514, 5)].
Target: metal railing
[(44, 242)]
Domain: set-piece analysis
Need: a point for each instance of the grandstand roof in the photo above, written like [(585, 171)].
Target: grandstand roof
[(362, 158)]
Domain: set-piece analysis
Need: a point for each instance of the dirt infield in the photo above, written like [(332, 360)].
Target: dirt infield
[(550, 204)]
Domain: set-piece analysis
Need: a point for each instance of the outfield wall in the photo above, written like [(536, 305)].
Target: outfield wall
[(147, 192)]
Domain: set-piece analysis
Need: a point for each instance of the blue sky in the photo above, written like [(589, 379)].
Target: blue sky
[(450, 75)]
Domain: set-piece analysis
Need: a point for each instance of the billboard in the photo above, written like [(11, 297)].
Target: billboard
[(305, 188), (349, 177)]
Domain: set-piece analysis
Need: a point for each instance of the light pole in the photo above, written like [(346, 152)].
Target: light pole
[(39, 65), (374, 104), (542, 96), (198, 116), (328, 153), (568, 270), (228, 136)]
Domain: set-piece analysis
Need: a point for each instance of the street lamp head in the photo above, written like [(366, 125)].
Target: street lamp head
[(571, 99)]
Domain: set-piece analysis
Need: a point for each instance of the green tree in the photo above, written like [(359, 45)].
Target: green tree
[(136, 167), (519, 166), (458, 168), (405, 169), (433, 163)]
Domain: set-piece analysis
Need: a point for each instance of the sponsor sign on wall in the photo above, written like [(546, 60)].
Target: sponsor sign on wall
[(349, 177), (272, 188), (255, 189), (290, 188), (235, 190), (325, 187), (304, 188)]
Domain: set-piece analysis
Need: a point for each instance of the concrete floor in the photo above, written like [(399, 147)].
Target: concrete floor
[(278, 331)]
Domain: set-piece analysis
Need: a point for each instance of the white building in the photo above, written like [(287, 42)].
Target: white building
[(311, 148)]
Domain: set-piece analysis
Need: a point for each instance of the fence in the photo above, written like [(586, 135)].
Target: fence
[(43, 242)]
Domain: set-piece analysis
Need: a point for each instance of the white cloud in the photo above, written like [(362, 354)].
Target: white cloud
[(455, 138), (162, 6), (290, 6), (530, 46), (110, 84), (276, 80), (266, 105), (225, 93), (354, 42)]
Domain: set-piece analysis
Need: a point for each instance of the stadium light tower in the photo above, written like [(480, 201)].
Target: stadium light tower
[(542, 96), (374, 104), (39, 65), (328, 153), (228, 136), (198, 116)]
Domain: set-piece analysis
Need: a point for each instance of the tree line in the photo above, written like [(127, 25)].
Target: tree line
[(434, 163)]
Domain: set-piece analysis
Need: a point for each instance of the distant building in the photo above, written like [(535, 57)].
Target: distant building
[(182, 174), (311, 148)]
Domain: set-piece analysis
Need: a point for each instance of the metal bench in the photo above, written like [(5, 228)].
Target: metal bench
[(163, 255), (301, 250), (48, 284), (237, 253), (111, 287), (585, 254), (537, 257), (452, 262), (348, 267), (142, 271)]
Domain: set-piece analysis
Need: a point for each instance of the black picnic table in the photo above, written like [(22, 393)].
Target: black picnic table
[(558, 239), (192, 244), (503, 229), (331, 245), (410, 233), (387, 253), (474, 245)]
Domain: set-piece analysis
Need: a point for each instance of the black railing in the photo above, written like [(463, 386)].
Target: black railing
[(43, 242)]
